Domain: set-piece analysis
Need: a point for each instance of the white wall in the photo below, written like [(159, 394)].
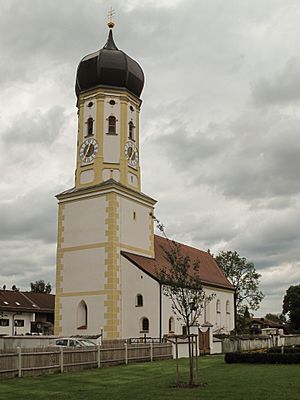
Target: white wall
[(134, 232), (84, 222), (11, 330), (134, 281), (222, 321), (84, 270), (25, 342), (95, 306)]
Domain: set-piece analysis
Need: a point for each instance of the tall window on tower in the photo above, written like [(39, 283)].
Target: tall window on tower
[(131, 130), (82, 315), (112, 123), (90, 126)]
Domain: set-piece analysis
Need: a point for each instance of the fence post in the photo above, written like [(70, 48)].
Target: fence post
[(126, 353), (61, 359), (19, 361), (98, 356), (151, 351)]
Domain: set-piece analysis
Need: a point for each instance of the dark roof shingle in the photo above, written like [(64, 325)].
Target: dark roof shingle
[(11, 300)]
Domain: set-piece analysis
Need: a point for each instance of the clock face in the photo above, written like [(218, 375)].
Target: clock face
[(132, 154), (88, 150)]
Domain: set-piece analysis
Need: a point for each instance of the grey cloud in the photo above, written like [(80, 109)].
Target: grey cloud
[(29, 216), (282, 88), (34, 127), (271, 237), (206, 230), (28, 139), (36, 36), (255, 157), (22, 262)]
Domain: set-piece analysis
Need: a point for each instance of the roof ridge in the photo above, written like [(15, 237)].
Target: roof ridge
[(27, 298)]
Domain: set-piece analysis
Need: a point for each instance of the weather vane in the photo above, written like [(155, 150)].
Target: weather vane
[(110, 14)]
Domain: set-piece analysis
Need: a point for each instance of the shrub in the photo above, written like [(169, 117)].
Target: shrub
[(263, 358)]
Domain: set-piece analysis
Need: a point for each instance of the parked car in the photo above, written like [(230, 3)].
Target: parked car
[(74, 342)]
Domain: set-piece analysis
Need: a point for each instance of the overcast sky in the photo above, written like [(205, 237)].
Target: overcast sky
[(220, 123)]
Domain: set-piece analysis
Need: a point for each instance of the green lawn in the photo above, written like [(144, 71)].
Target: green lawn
[(154, 381)]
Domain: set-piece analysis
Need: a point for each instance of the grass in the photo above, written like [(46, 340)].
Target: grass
[(155, 381)]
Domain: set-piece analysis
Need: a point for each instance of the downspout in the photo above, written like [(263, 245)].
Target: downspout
[(14, 330), (235, 311), (160, 311)]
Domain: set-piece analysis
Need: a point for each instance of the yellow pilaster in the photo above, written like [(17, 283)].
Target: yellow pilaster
[(112, 271), (59, 271), (123, 132), (98, 163)]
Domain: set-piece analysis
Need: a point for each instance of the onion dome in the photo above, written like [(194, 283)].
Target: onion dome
[(109, 67)]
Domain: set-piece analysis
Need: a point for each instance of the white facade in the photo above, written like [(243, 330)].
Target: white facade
[(157, 308), (93, 230), (12, 323), (135, 282)]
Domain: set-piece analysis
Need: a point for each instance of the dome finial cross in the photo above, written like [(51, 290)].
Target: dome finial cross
[(110, 14)]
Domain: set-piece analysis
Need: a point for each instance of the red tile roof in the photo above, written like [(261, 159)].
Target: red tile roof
[(210, 273), (11, 300), (266, 323)]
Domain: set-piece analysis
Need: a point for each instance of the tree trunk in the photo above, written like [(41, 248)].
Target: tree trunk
[(191, 381), (177, 363)]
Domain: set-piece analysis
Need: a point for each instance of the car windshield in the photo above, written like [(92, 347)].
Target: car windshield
[(86, 342)]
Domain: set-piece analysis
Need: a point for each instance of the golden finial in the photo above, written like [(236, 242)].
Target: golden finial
[(110, 14)]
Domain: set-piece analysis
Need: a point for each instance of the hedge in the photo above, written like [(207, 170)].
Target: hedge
[(263, 358)]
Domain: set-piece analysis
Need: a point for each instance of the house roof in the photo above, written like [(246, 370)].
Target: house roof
[(210, 273), (12, 300), (266, 323)]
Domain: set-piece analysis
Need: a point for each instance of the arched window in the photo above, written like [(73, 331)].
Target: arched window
[(171, 325), (112, 123), (131, 130), (227, 307), (139, 300), (82, 315), (145, 325), (90, 127), (218, 306)]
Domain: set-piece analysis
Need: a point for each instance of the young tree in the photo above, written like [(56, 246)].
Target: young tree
[(243, 320), (182, 285), (244, 278), (40, 287), (291, 306)]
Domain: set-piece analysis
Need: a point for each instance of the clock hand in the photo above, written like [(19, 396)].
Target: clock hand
[(132, 154), (87, 149)]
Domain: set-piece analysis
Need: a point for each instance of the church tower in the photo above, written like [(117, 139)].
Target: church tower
[(105, 212)]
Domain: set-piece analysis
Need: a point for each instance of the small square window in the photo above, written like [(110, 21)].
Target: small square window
[(19, 322)]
